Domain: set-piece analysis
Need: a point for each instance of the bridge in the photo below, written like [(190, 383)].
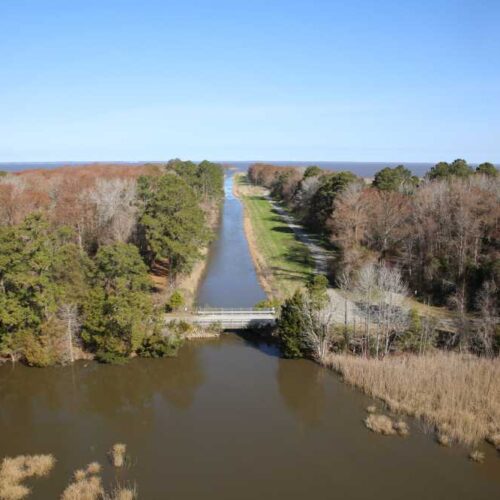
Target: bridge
[(228, 319)]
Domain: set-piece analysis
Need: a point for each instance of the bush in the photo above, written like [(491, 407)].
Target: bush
[(176, 301), (159, 346)]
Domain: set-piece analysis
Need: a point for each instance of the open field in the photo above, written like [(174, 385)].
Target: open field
[(283, 263), (457, 395)]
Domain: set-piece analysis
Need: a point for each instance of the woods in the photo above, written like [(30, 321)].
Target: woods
[(441, 231), (78, 246)]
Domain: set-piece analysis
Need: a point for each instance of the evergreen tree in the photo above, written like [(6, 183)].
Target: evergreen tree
[(317, 290), (487, 168), (457, 168), (119, 310), (291, 326), (172, 223), (395, 179), (322, 201)]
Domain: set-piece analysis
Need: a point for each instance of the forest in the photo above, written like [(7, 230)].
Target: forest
[(78, 249), (436, 239)]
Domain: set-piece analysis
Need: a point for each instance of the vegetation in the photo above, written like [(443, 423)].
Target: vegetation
[(14, 471), (455, 394), (286, 261), (78, 247), (441, 232)]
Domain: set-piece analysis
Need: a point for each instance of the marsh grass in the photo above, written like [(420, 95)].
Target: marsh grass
[(13, 471), (402, 428), (381, 424), (458, 395), (477, 456), (88, 488), (118, 454), (124, 493)]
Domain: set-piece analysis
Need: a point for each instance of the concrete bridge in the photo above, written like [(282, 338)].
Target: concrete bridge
[(228, 319)]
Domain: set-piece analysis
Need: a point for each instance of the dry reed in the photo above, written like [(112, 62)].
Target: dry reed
[(402, 428), (15, 470), (381, 424), (459, 395), (124, 494), (94, 468), (89, 488), (477, 456), (117, 454)]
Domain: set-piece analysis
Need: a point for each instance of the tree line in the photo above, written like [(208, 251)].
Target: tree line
[(440, 233), (77, 248)]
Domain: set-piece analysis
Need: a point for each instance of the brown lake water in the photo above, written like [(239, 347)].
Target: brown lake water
[(227, 419)]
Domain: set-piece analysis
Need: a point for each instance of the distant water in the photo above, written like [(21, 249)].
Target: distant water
[(363, 169)]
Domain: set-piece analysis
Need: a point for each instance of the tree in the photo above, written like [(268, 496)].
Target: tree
[(312, 171), (291, 326), (172, 225), (322, 202), (317, 288), (38, 270), (119, 311), (487, 168), (457, 168), (395, 179)]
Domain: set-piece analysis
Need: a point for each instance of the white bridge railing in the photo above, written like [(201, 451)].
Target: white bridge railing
[(214, 311)]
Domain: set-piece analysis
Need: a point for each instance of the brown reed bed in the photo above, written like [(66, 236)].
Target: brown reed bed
[(458, 395), (13, 471)]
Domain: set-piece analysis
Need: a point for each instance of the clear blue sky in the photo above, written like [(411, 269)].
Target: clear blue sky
[(291, 80)]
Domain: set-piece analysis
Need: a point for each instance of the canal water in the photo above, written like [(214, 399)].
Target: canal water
[(227, 419), (230, 280)]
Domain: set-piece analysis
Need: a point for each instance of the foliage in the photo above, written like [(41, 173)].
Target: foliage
[(457, 168), (118, 311), (317, 290), (176, 301), (312, 171), (159, 345), (291, 326), (322, 202), (395, 179), (171, 222), (39, 271), (487, 168)]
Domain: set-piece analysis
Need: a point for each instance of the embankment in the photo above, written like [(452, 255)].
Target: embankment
[(283, 262)]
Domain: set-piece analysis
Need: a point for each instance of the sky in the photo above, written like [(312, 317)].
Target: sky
[(249, 80)]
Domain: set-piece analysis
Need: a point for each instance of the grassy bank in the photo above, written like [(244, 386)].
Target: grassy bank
[(458, 395), (283, 263)]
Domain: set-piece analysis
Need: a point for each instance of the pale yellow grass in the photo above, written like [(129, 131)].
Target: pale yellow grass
[(117, 454), (381, 424), (89, 488), (15, 470), (459, 395)]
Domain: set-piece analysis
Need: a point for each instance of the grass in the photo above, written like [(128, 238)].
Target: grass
[(13, 471), (285, 262), (117, 454), (457, 395)]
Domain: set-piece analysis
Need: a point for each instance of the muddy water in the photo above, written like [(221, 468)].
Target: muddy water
[(230, 280), (226, 419)]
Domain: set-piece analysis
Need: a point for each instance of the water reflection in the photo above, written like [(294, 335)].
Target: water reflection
[(301, 385)]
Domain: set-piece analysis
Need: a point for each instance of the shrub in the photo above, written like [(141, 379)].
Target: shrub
[(477, 456), (381, 424), (176, 301), (117, 454)]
